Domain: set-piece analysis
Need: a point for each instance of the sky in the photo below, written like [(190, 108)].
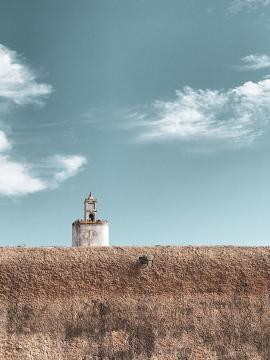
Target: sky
[(160, 108)]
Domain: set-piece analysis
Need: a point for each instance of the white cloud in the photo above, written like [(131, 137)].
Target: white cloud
[(237, 115), (239, 5), (68, 166), (59, 168), (19, 86), (16, 178), (19, 179), (18, 83), (4, 143), (254, 62)]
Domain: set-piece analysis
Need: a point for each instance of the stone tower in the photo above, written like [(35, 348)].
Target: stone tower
[(90, 231)]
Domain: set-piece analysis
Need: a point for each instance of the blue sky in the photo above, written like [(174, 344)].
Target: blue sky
[(160, 108)]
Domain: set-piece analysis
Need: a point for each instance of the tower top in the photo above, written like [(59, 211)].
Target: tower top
[(90, 208), (90, 231), (90, 197)]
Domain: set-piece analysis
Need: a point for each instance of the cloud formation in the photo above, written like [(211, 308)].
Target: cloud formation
[(18, 83), (237, 115), (16, 178), (4, 143), (19, 179), (239, 5), (59, 168), (19, 86), (254, 62), (67, 166)]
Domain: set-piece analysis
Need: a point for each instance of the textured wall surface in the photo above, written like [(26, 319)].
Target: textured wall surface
[(90, 234), (98, 303)]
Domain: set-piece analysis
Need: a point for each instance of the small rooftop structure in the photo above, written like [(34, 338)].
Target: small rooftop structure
[(90, 231), (90, 208)]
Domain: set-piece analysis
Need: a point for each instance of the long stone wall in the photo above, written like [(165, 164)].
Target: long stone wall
[(100, 303)]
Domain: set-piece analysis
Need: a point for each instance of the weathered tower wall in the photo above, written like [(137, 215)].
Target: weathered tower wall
[(90, 231), (90, 234), (101, 304)]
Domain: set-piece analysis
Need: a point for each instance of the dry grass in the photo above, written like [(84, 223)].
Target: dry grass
[(98, 303)]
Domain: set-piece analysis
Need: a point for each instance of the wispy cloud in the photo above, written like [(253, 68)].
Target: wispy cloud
[(239, 5), (59, 168), (22, 178), (19, 86), (4, 143), (237, 115), (254, 62), (67, 166), (18, 82), (16, 178), (19, 179)]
